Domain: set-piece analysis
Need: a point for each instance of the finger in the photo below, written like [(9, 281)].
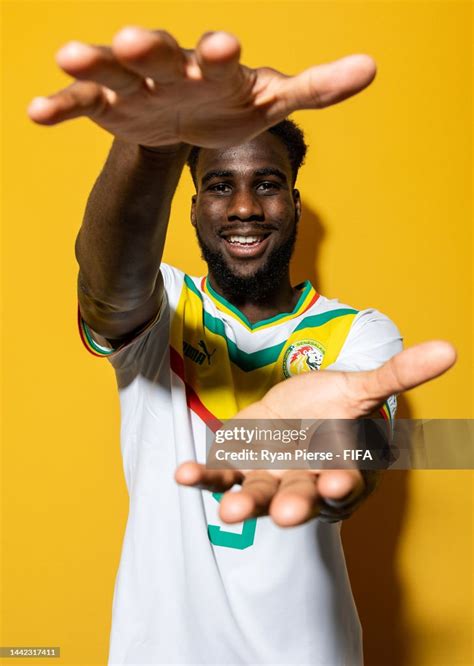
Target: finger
[(296, 499), (217, 481), (217, 55), (82, 98), (253, 500), (341, 487), (152, 54), (324, 85), (97, 63), (340, 494), (411, 367)]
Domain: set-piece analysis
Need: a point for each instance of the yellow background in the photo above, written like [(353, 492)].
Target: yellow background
[(387, 194)]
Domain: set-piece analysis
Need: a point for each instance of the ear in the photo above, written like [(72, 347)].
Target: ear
[(297, 200), (193, 210)]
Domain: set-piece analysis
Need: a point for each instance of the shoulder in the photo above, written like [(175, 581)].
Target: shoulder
[(174, 280), (172, 277), (371, 340), (373, 326)]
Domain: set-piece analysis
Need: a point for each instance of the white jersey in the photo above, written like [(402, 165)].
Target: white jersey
[(190, 588)]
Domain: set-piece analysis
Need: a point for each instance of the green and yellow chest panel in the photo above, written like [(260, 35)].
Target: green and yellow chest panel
[(227, 363)]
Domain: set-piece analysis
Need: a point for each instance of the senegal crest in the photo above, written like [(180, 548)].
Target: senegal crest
[(303, 356)]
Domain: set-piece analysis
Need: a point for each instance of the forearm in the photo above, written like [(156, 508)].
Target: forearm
[(120, 243)]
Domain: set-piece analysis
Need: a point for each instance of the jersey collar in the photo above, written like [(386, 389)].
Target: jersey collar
[(307, 298)]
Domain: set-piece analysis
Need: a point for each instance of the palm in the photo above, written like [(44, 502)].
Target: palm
[(293, 497), (211, 113), (147, 90)]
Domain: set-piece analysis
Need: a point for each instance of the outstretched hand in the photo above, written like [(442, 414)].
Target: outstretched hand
[(293, 497), (146, 89)]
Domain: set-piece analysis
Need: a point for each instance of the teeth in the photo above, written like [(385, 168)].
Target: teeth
[(244, 240)]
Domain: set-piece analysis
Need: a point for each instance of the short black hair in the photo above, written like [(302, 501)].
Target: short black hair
[(290, 135)]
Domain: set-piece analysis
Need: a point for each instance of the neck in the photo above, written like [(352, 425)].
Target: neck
[(281, 298)]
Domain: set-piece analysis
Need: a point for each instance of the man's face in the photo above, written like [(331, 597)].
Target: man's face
[(245, 213)]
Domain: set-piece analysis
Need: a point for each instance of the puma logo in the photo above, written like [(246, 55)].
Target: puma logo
[(196, 355), (202, 344)]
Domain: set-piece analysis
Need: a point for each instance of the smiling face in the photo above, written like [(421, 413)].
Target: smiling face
[(245, 213)]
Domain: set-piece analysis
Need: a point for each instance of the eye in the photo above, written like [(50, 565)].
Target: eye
[(268, 185), (222, 188)]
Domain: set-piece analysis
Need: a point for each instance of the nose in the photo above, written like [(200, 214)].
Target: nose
[(244, 205)]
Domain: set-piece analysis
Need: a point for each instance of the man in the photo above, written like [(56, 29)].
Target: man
[(206, 577)]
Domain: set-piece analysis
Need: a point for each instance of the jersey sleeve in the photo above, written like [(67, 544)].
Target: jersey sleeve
[(372, 340), (133, 348)]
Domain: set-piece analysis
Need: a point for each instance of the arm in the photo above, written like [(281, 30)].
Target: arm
[(372, 340), (295, 496), (148, 91), (120, 243)]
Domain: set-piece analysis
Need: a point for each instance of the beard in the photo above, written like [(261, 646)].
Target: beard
[(257, 287)]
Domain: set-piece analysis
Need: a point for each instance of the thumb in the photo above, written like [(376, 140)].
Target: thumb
[(411, 367), (324, 85)]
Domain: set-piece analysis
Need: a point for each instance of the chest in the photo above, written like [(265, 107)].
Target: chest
[(227, 366)]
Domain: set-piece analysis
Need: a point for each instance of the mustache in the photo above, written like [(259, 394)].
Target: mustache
[(262, 227)]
